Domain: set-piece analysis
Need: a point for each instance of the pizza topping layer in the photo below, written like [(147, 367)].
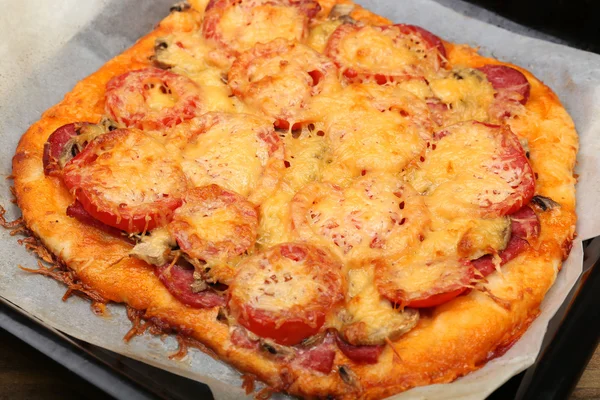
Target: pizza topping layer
[(152, 98), (377, 216), (422, 281), (239, 25), (127, 180), (238, 152), (369, 319), (284, 293), (482, 167), (280, 77), (384, 54), (525, 227), (392, 183), (214, 225)]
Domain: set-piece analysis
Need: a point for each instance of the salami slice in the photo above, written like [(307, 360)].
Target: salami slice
[(179, 279), (525, 226)]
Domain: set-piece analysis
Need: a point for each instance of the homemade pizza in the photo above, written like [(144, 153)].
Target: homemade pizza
[(335, 204)]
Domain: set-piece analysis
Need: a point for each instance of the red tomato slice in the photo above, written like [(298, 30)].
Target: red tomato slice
[(214, 224), (384, 54), (280, 77), (414, 282), (127, 180), (493, 152), (285, 292), (153, 98), (256, 24), (436, 299), (376, 216)]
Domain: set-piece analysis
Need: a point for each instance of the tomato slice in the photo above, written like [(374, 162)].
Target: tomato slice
[(239, 152), (214, 224), (382, 54), (238, 25), (378, 215), (285, 292), (481, 167), (418, 281), (280, 77), (436, 299), (153, 98), (127, 180)]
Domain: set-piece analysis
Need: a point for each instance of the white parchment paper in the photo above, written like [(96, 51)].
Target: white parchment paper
[(47, 47)]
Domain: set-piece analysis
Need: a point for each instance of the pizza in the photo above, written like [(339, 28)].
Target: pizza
[(335, 204)]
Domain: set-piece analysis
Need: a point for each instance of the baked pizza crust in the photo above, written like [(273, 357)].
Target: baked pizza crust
[(452, 340)]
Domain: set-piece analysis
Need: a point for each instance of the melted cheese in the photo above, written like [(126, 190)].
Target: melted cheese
[(230, 154), (467, 92), (457, 176), (362, 137), (376, 216), (158, 98), (243, 27), (469, 238), (215, 226), (374, 49), (320, 33), (135, 170), (277, 285), (369, 319)]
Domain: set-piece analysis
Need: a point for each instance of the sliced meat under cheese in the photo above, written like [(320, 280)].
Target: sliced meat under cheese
[(376, 216), (152, 98), (239, 152), (215, 225), (127, 180), (512, 89), (474, 169), (279, 79), (368, 318), (384, 54), (284, 292), (525, 227), (179, 281), (239, 25)]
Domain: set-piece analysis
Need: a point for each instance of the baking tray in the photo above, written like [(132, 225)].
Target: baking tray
[(569, 342)]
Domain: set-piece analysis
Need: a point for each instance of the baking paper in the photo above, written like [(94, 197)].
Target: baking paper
[(47, 47)]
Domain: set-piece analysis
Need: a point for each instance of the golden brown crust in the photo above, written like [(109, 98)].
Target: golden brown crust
[(455, 339)]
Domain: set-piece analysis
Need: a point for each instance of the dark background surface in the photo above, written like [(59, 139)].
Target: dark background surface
[(576, 21), (26, 373)]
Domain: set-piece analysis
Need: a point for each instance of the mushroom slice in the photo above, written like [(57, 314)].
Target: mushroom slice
[(369, 319)]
